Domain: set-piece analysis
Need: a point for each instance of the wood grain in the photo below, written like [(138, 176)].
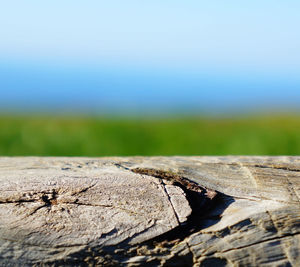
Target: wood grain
[(155, 211)]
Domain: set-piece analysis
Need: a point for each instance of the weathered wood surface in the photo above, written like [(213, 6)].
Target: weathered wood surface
[(169, 211)]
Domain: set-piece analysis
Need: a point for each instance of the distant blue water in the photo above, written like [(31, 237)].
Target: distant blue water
[(29, 87), (155, 57)]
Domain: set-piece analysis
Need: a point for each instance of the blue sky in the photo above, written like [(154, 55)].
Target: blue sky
[(102, 56)]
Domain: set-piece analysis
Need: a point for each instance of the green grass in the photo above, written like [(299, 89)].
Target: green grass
[(71, 136)]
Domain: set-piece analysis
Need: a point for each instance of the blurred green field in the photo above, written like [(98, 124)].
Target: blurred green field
[(91, 136)]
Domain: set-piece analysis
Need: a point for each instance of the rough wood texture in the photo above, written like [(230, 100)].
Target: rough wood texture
[(169, 211)]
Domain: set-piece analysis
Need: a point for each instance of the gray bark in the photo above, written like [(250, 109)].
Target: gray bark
[(156, 211)]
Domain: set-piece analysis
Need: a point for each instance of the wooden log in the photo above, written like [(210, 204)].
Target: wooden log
[(153, 211)]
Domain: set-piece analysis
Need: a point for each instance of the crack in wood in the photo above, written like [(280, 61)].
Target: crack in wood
[(170, 201), (201, 200), (276, 167), (277, 238), (282, 166)]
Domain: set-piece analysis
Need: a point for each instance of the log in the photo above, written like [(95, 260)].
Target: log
[(150, 211)]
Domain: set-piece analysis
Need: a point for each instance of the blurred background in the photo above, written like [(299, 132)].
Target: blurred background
[(109, 78)]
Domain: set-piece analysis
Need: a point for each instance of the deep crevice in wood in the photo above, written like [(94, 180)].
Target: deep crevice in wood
[(202, 202)]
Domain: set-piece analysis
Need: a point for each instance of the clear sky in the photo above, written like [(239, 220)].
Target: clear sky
[(149, 55)]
